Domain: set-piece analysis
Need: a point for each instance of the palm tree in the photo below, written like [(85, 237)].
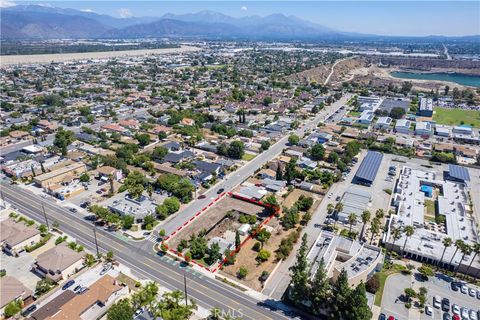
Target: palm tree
[(465, 250), (396, 234), (380, 213), (365, 218), (330, 208), (338, 208), (458, 245), (374, 229), (447, 242), (409, 231), (476, 251), (352, 217)]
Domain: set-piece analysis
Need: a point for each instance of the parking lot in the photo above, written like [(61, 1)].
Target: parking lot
[(440, 286)]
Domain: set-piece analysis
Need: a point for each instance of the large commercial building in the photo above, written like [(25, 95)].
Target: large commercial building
[(425, 108), (420, 197), (368, 169)]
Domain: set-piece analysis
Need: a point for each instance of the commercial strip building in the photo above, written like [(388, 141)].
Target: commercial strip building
[(56, 176), (359, 260), (123, 204), (450, 198)]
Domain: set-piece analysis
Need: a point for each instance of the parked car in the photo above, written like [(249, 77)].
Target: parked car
[(382, 316), (428, 310), (464, 313), (473, 315), (82, 290), (455, 309), (447, 316), (77, 288), (106, 268), (445, 304), (464, 289), (73, 210), (472, 292), (220, 190), (436, 302), (29, 310), (68, 284), (202, 196), (454, 285)]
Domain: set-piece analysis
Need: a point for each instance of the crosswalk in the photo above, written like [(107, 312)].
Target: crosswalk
[(152, 238)]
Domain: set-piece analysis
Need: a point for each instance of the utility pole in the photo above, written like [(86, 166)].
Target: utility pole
[(45, 215), (4, 204), (185, 283), (95, 236)]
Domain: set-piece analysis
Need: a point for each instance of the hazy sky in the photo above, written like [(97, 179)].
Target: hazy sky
[(377, 17)]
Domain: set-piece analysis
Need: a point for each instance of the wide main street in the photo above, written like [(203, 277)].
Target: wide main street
[(207, 292)]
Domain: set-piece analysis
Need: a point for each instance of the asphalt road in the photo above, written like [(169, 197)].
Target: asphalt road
[(237, 177), (207, 292)]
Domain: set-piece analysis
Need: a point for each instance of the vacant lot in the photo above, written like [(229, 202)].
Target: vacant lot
[(457, 117), (213, 216), (246, 257), (296, 193)]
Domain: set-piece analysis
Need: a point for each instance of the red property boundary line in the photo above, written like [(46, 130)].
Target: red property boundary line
[(276, 211)]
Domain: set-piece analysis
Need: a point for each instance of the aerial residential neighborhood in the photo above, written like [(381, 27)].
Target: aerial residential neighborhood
[(174, 163)]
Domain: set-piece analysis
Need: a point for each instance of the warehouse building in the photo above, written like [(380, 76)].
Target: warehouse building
[(368, 169)]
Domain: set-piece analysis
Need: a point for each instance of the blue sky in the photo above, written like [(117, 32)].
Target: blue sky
[(386, 17)]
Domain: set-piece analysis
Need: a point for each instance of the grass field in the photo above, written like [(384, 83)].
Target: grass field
[(248, 156), (457, 117)]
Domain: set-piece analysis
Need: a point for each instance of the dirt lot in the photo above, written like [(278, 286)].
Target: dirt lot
[(214, 215), (296, 193), (246, 257)]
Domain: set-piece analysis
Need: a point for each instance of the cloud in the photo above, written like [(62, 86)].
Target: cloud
[(125, 13), (244, 8), (7, 3), (87, 10)]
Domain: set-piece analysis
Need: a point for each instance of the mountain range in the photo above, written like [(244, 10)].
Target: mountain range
[(41, 22), (44, 22)]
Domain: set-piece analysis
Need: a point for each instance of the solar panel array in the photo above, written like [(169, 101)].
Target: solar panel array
[(369, 167), (458, 172)]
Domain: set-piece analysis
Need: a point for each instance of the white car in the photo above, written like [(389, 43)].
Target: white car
[(464, 288), (472, 292), (464, 313), (330, 195), (456, 309), (428, 310), (473, 315), (436, 302)]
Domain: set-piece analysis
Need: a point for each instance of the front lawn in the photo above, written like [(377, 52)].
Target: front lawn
[(248, 156)]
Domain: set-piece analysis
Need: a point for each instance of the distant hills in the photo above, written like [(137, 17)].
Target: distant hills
[(41, 22)]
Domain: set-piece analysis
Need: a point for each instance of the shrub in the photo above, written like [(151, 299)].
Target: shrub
[(256, 246), (373, 284), (263, 255), (242, 273)]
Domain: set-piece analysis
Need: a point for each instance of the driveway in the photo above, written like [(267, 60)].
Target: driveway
[(20, 268), (394, 287)]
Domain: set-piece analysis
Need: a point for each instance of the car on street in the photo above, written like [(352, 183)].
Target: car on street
[(106, 268), (472, 292), (90, 217), (82, 290), (77, 288), (73, 210), (436, 302), (455, 309), (391, 318), (202, 196), (29, 310), (220, 190), (68, 284), (445, 304), (428, 310), (330, 195)]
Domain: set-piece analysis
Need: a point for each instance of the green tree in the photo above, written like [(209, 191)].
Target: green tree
[(263, 236), (172, 307), (317, 152), (290, 217), (290, 170), (213, 253), (172, 204), (341, 296), (84, 177), (127, 221), (264, 145), (279, 173), (447, 242), (466, 250), (236, 150), (263, 255), (365, 218), (300, 274), (397, 113), (352, 217), (319, 288), (13, 308), (63, 138), (358, 306), (159, 153), (242, 272), (143, 139), (293, 139), (425, 272), (238, 243)]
